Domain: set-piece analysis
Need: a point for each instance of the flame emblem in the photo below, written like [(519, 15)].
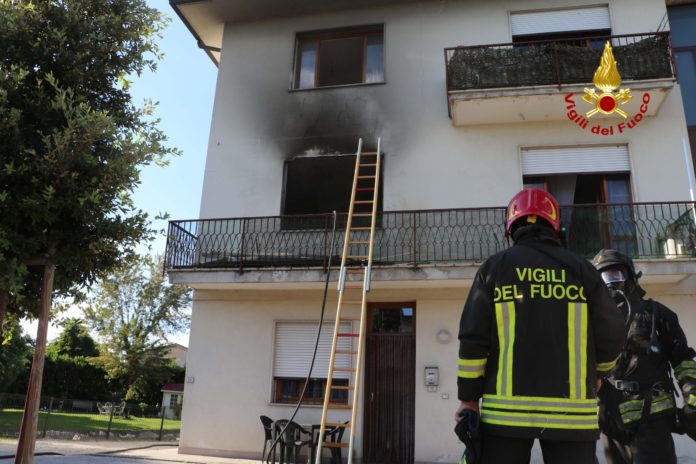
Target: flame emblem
[(607, 79), (553, 214)]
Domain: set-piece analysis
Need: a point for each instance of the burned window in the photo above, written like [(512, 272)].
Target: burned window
[(341, 57), (319, 184)]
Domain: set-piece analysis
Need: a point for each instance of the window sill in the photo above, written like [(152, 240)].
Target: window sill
[(292, 405), (328, 87)]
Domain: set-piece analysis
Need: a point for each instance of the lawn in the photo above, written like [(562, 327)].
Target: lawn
[(10, 419)]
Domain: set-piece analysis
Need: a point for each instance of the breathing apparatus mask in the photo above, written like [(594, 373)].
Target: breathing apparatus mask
[(615, 279)]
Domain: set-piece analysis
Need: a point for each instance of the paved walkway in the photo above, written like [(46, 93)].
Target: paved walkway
[(109, 452)]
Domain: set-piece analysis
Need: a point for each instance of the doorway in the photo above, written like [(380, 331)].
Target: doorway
[(390, 384)]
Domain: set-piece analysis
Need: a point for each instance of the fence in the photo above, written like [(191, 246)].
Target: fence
[(642, 230), (638, 56), (68, 418)]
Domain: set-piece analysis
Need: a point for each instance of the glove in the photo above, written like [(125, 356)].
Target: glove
[(468, 431)]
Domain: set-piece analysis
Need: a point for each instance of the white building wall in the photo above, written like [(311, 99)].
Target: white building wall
[(258, 123)]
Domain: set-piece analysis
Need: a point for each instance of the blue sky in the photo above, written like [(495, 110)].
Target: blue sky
[(184, 85)]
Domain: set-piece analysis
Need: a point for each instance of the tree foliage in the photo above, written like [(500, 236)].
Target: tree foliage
[(71, 139), (73, 341), (14, 357), (133, 311)]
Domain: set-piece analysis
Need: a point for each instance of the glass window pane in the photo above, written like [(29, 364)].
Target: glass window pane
[(306, 63), (340, 61), (392, 320), (374, 61)]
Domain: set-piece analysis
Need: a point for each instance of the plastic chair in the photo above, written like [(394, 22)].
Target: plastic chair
[(335, 435), (292, 441), (267, 423)]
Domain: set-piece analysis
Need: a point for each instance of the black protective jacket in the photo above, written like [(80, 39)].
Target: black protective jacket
[(537, 329), (646, 360)]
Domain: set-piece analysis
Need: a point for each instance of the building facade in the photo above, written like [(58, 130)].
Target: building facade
[(472, 101)]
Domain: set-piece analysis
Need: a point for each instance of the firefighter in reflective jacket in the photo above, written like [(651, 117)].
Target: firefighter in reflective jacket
[(637, 406), (538, 329)]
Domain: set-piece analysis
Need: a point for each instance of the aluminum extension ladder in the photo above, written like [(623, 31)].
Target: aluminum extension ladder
[(356, 259)]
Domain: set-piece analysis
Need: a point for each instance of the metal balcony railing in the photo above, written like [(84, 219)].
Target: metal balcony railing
[(557, 62), (450, 236)]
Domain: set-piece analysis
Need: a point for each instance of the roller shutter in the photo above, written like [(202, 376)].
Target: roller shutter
[(577, 19), (575, 160), (294, 345)]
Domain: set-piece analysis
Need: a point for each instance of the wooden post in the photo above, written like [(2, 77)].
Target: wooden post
[(111, 419), (30, 417), (164, 408), (48, 414)]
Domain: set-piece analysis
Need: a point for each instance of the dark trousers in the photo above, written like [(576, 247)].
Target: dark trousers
[(506, 450), (652, 444)]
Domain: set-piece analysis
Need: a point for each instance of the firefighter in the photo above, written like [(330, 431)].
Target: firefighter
[(538, 329), (637, 405)]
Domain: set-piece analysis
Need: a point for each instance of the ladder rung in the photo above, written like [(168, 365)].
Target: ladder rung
[(340, 405), (348, 335), (363, 202), (364, 189), (344, 369), (331, 444), (366, 177), (361, 228), (344, 352), (337, 424), (357, 257), (369, 165), (359, 242), (371, 153)]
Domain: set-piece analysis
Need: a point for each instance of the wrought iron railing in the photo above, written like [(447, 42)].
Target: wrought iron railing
[(573, 61), (448, 236)]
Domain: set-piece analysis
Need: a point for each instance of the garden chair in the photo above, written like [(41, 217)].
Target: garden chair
[(267, 423), (104, 408), (292, 442), (334, 435), (118, 409)]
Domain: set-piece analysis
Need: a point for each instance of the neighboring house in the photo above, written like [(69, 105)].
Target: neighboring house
[(462, 130), (682, 19), (178, 353), (172, 399)]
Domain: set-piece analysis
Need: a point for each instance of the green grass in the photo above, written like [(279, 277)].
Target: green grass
[(10, 419)]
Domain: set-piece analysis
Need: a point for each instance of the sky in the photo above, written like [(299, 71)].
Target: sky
[(184, 86)]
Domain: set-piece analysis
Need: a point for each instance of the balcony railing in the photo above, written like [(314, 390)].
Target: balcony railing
[(557, 62), (642, 230)]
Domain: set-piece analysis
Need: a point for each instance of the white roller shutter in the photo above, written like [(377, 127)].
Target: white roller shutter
[(294, 345), (577, 19), (575, 160)]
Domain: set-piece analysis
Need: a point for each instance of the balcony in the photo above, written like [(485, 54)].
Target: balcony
[(528, 81), (441, 239)]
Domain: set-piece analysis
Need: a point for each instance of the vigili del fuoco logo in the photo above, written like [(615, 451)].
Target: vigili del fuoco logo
[(607, 100)]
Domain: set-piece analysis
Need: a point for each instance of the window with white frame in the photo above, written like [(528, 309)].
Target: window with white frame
[(173, 400), (583, 22), (293, 349)]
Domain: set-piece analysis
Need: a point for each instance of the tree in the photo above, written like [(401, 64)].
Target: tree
[(14, 357), (73, 341), (71, 140), (133, 311), (71, 146)]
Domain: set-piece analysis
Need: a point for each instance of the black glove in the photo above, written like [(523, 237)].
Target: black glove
[(468, 431)]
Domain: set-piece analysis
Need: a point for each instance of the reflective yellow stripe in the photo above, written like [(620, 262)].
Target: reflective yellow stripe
[(607, 366), (505, 321), (632, 411), (542, 399), (472, 368), (473, 362), (686, 368), (692, 401), (541, 404), (555, 421), (577, 349)]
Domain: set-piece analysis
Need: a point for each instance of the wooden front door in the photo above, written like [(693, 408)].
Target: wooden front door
[(390, 376)]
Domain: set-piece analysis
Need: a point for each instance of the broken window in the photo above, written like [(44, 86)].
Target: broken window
[(601, 215), (319, 184), (340, 57)]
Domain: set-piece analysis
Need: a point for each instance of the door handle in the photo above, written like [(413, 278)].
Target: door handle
[(372, 396)]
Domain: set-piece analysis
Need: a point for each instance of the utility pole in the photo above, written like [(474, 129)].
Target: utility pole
[(30, 417)]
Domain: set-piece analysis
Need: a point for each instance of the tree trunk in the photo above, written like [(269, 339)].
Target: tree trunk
[(4, 296), (27, 433)]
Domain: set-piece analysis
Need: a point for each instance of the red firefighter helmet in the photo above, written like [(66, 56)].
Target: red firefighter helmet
[(533, 202)]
